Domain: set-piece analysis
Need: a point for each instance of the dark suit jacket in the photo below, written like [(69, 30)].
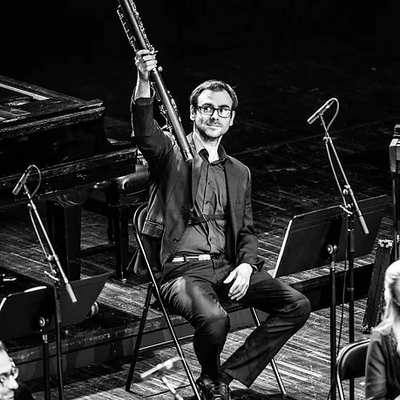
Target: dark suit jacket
[(173, 185), (382, 380)]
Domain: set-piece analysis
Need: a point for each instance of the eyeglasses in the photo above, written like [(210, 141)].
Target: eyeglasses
[(223, 112), (14, 372)]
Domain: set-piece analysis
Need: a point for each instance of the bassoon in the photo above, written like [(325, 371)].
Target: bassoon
[(138, 40)]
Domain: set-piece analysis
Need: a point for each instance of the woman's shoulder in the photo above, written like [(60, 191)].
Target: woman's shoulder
[(382, 336), (383, 329)]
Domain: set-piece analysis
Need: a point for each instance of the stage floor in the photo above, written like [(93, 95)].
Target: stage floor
[(304, 365), (281, 80)]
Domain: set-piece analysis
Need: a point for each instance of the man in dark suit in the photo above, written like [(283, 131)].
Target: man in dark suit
[(200, 220), (10, 388)]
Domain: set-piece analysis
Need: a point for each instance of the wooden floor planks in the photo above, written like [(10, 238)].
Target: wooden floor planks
[(281, 81), (303, 364)]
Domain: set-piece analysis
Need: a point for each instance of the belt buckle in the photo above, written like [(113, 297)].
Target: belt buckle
[(204, 257)]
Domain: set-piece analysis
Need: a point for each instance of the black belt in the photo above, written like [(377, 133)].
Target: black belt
[(193, 220), (200, 257)]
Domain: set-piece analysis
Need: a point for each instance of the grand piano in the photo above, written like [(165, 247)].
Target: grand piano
[(64, 137)]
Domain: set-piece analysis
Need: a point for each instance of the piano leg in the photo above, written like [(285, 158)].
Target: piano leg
[(64, 226), (118, 214), (118, 231)]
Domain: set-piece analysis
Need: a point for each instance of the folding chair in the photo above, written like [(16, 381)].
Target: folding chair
[(350, 363), (138, 220)]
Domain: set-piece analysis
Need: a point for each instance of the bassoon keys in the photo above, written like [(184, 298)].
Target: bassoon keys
[(138, 40)]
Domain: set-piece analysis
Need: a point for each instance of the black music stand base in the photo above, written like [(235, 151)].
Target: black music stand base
[(36, 313), (34, 308)]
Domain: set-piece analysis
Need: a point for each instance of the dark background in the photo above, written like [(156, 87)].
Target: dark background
[(284, 58), (79, 47)]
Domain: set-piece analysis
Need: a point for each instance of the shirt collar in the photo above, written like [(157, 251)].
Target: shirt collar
[(199, 147)]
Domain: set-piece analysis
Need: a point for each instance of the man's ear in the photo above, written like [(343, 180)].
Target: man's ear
[(192, 113), (232, 118)]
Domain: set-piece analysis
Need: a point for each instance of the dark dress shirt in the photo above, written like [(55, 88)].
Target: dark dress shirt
[(173, 185), (211, 199)]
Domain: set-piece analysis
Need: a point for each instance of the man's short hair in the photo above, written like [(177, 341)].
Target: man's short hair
[(215, 86)]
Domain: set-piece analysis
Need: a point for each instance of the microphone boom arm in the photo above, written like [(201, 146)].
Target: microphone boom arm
[(347, 188)]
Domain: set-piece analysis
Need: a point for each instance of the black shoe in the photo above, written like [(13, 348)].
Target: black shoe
[(212, 391), (204, 384)]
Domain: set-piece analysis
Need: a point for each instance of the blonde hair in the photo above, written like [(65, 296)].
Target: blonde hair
[(392, 305)]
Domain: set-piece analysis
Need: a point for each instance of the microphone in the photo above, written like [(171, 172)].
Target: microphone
[(22, 181), (320, 111), (160, 368)]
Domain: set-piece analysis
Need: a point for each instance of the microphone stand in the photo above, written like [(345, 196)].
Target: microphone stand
[(350, 208), (394, 157), (332, 250), (56, 276)]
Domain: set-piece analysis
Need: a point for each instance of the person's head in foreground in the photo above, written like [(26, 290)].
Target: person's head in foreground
[(8, 375)]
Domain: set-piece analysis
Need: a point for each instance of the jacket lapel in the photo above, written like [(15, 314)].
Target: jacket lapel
[(231, 187), (196, 169)]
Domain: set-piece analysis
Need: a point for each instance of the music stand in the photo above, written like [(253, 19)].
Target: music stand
[(25, 313), (36, 311), (312, 239), (86, 291)]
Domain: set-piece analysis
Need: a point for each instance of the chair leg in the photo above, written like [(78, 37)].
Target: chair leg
[(139, 337), (278, 377), (138, 223), (272, 362), (175, 340), (178, 347), (340, 389)]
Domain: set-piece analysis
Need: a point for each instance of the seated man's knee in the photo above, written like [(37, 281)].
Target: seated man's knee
[(304, 306), (298, 310), (215, 328)]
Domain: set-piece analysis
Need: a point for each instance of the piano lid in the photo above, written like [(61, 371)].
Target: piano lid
[(22, 104), (62, 135)]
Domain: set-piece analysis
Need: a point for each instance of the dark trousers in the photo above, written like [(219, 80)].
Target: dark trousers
[(193, 290)]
